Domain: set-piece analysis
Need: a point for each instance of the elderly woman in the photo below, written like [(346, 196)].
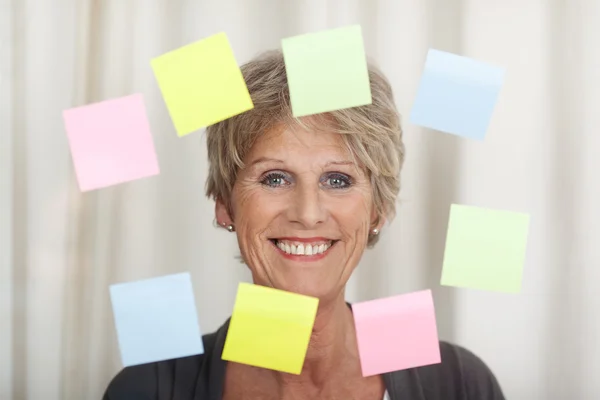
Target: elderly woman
[(305, 198)]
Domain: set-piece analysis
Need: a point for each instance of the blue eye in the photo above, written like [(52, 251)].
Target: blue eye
[(338, 181), (332, 180), (273, 179)]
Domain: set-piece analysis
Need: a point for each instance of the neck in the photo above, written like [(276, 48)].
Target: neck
[(332, 344)]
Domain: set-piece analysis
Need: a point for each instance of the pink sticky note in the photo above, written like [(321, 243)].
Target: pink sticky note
[(396, 333), (111, 142)]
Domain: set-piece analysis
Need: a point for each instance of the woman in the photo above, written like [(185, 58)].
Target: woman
[(305, 198)]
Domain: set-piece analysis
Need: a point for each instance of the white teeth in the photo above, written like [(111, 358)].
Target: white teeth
[(301, 249), (309, 250)]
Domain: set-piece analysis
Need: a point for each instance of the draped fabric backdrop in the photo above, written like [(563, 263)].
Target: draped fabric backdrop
[(61, 249)]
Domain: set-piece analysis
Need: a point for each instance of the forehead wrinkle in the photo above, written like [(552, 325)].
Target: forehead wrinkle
[(278, 147), (313, 166), (301, 134)]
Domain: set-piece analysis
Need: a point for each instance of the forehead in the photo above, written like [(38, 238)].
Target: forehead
[(296, 141)]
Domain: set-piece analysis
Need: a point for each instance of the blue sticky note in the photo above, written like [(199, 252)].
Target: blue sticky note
[(457, 94), (156, 319)]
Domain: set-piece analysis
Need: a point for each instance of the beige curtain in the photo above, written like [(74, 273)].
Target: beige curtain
[(61, 249)]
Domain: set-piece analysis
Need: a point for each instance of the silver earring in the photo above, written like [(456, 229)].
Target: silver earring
[(230, 228), (375, 232)]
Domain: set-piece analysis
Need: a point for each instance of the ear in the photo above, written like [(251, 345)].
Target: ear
[(377, 221), (221, 213), (379, 224)]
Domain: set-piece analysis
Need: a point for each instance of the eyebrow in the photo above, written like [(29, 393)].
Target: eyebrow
[(275, 160)]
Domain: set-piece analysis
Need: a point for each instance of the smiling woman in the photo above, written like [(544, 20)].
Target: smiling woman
[(300, 192), (305, 198), (367, 138)]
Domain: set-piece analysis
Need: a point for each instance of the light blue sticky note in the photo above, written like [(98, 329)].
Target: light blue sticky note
[(156, 319), (457, 94)]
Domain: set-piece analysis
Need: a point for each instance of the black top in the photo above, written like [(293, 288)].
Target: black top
[(460, 376)]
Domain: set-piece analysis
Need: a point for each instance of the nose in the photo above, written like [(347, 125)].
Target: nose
[(307, 206)]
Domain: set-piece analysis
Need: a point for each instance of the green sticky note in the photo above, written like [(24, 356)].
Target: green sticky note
[(485, 249), (201, 84), (327, 71)]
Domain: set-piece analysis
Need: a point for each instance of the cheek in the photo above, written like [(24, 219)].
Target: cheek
[(353, 210), (244, 201), (255, 209)]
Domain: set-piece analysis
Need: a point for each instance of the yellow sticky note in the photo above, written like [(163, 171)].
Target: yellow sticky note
[(270, 328), (201, 84)]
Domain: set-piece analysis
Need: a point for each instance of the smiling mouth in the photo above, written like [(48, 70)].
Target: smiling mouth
[(303, 249)]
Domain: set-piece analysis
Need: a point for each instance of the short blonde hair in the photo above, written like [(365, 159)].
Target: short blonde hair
[(372, 133)]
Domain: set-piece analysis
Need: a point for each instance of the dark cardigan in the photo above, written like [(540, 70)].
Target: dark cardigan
[(460, 376)]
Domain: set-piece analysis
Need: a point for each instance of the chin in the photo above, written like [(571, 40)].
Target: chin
[(311, 288)]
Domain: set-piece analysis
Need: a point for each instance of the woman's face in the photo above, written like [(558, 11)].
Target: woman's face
[(302, 212)]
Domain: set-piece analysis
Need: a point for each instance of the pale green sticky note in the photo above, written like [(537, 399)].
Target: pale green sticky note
[(485, 249), (327, 71), (201, 84)]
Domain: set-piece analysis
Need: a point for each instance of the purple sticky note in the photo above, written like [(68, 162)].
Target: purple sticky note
[(396, 333), (111, 142)]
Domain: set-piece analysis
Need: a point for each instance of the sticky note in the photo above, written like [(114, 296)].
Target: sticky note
[(156, 319), (326, 71), (110, 142), (457, 94), (396, 333), (485, 249), (201, 84), (270, 328)]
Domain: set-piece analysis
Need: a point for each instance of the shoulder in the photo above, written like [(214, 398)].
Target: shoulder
[(460, 372), (185, 376), (136, 383)]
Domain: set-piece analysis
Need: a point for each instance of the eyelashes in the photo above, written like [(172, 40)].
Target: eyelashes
[(343, 181), (273, 179), (334, 180)]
